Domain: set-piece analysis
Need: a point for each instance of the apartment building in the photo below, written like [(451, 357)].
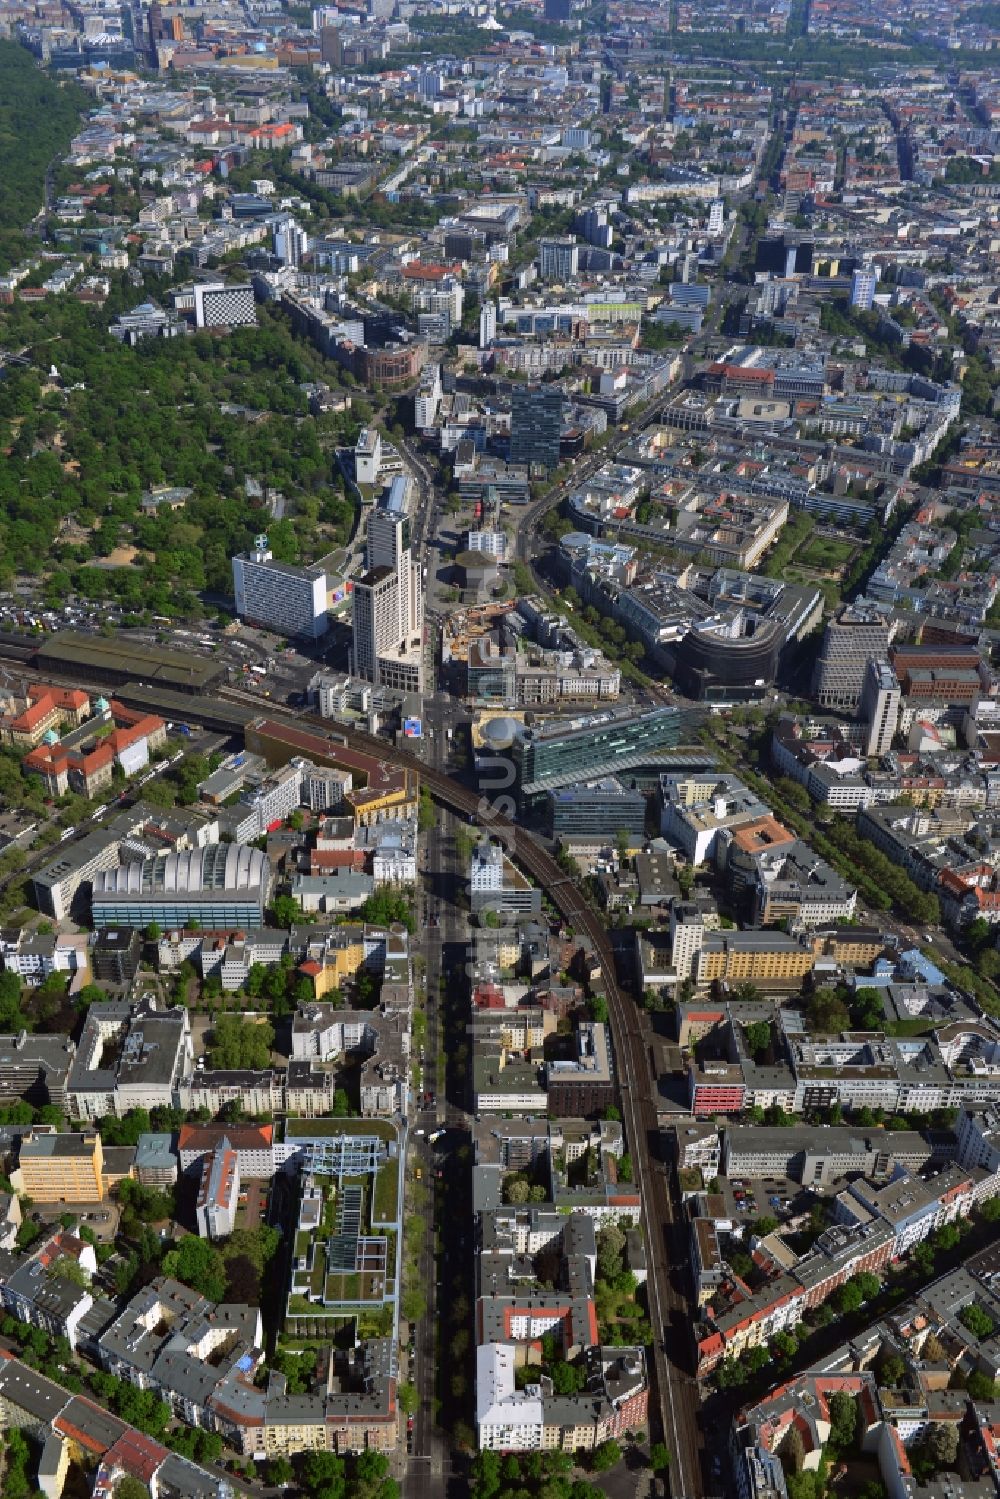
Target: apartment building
[(61, 1168), (34, 1289), (218, 1193), (269, 803), (744, 1319), (175, 1342), (255, 1092), (558, 258), (954, 1068), (129, 1056), (879, 707), (978, 1138), (512, 1314), (913, 1209), (754, 956), (65, 881), (34, 1069), (428, 397), (584, 1086)]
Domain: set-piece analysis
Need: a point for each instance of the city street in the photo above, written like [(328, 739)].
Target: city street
[(442, 935)]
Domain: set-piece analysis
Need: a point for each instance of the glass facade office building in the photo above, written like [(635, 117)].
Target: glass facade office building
[(536, 418), (597, 808), (594, 745)]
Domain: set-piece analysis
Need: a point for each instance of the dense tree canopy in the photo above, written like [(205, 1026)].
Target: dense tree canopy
[(38, 118), (239, 1043), (197, 1264), (126, 420)]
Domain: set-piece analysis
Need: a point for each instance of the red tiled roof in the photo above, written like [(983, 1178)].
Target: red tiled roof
[(137, 1454), (62, 697), (241, 1137), (418, 270)]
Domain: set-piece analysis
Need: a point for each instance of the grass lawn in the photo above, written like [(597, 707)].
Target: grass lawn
[(343, 1287), (825, 554), (317, 1275), (315, 1129), (913, 1025), (386, 1191)]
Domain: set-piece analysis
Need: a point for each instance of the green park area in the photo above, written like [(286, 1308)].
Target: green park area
[(825, 554)]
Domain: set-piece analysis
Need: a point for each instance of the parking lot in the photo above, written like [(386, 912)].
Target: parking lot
[(101, 1220), (748, 1198)]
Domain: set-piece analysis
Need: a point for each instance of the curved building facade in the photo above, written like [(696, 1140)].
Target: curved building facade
[(220, 887), (730, 656), (394, 366)]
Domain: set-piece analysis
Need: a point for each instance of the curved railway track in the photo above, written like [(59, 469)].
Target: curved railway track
[(674, 1385)]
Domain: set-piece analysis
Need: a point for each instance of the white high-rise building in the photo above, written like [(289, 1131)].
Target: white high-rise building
[(388, 600), (687, 936), (880, 699), (428, 397), (278, 596), (444, 301), (558, 258), (487, 324), (486, 869), (368, 456), (291, 242), (863, 284), (324, 787), (717, 217)]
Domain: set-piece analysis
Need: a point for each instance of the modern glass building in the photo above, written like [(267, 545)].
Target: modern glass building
[(602, 808), (597, 744), (536, 418)]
